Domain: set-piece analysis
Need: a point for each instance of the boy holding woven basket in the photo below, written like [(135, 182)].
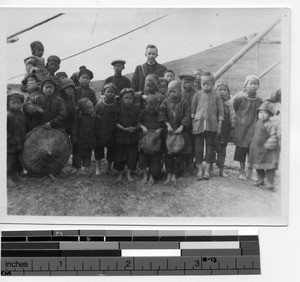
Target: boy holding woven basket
[(150, 154), (175, 115)]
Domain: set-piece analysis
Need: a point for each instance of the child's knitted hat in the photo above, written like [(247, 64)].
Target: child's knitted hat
[(36, 44), (110, 85), (266, 107), (53, 58), (61, 75), (186, 75), (48, 80), (127, 90), (223, 83), (65, 83), (15, 96), (86, 71), (251, 77)]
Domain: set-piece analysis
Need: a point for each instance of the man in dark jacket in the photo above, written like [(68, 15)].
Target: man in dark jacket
[(150, 67)]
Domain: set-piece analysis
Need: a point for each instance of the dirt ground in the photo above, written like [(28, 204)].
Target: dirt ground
[(75, 195)]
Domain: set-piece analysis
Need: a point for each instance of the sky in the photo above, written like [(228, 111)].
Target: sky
[(183, 32)]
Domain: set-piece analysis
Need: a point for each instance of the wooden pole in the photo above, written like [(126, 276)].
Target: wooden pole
[(269, 69), (244, 50)]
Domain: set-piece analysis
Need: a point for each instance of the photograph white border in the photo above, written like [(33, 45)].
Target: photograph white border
[(174, 221)]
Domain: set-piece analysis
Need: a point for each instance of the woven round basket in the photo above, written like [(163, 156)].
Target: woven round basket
[(45, 151), (175, 143), (151, 143)]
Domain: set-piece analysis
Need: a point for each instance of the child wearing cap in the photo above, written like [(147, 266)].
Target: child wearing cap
[(84, 135), (118, 79), (127, 131), (263, 154), (169, 75), (175, 115), (83, 90), (106, 131), (188, 92), (36, 70), (74, 76), (197, 82), (148, 120), (67, 92), (53, 65), (207, 113), (221, 141), (245, 105), (16, 131), (61, 75), (47, 109)]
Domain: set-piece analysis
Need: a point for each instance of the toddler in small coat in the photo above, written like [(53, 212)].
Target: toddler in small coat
[(36, 70), (148, 120), (84, 90), (16, 131), (263, 153), (84, 135), (175, 115), (127, 132), (106, 131), (221, 141)]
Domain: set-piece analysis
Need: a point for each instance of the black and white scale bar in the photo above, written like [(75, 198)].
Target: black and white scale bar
[(183, 265)]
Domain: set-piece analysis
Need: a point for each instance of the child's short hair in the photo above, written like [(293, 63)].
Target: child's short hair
[(209, 74), (151, 46), (86, 71), (169, 71), (162, 80), (110, 85), (36, 44), (53, 58)]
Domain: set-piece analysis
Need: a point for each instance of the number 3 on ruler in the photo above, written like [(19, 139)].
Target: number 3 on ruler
[(197, 263)]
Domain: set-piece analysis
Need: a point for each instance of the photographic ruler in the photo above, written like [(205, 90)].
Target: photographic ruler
[(129, 252)]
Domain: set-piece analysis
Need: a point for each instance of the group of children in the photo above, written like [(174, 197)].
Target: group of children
[(189, 120)]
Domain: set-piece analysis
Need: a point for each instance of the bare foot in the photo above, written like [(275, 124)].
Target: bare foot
[(145, 179), (199, 174), (129, 177), (173, 178), (151, 180), (243, 177), (223, 174), (10, 182), (168, 179), (120, 177)]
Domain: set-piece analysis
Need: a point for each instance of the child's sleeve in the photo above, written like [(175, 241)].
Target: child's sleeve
[(272, 141), (220, 108), (93, 98), (74, 134), (231, 113), (135, 80), (194, 105), (30, 107), (60, 117), (236, 101), (186, 121), (163, 112), (30, 64)]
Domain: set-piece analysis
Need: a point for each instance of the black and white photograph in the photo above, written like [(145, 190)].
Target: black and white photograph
[(164, 114)]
